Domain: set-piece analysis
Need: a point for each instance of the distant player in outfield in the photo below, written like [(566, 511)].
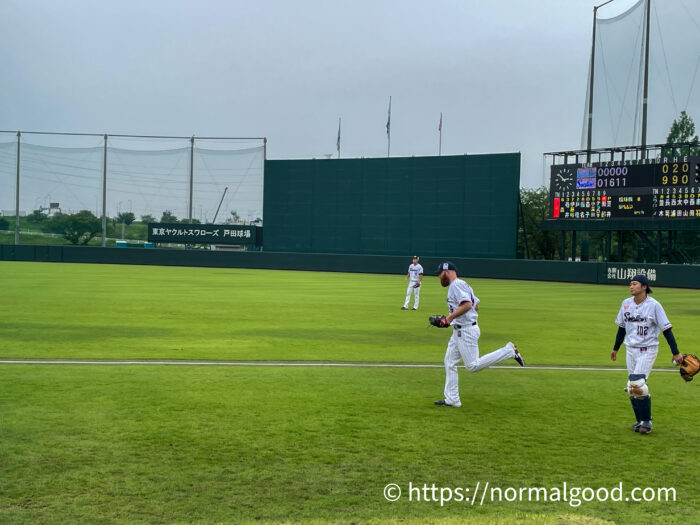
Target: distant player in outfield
[(639, 322), (464, 343), (414, 278)]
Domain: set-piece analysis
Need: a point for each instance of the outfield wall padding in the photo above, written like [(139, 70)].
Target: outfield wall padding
[(678, 276), (465, 205)]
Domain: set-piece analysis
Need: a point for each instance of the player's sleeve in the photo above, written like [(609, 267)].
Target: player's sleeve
[(668, 334), (420, 270), (620, 320), (619, 338), (463, 293), (660, 317)]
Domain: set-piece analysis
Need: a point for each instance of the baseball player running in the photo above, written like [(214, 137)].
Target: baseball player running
[(414, 278), (464, 343), (639, 322)]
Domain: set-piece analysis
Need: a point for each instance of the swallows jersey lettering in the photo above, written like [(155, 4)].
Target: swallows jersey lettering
[(629, 318)]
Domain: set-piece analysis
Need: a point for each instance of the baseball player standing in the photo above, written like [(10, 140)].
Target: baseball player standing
[(414, 278), (464, 343), (639, 322)]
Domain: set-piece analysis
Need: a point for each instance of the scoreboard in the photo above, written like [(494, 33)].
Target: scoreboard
[(626, 189)]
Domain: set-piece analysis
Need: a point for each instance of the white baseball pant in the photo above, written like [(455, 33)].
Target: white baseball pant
[(415, 291), (641, 360), (464, 346)]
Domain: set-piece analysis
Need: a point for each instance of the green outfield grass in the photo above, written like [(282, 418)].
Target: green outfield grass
[(203, 444), (112, 311)]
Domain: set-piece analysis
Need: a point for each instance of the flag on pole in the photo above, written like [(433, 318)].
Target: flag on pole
[(337, 144), (440, 125), (388, 119)]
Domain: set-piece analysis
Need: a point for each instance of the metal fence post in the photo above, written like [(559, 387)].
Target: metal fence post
[(104, 195), (189, 215), (17, 193)]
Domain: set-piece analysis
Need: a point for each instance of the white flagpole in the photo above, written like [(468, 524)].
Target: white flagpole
[(440, 130), (337, 144), (388, 130)]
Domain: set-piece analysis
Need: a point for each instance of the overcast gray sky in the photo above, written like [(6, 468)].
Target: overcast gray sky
[(508, 75)]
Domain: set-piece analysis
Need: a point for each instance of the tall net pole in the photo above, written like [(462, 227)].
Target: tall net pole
[(590, 89), (189, 215), (646, 83), (590, 86), (19, 134), (104, 194)]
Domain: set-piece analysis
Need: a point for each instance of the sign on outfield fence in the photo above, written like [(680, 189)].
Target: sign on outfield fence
[(623, 273), (204, 233)]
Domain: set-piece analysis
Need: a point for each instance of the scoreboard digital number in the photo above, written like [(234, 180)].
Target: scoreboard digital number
[(626, 190)]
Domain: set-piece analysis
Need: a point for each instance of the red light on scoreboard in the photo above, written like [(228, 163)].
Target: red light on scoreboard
[(555, 207)]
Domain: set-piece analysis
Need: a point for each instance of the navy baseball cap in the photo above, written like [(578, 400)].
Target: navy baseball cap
[(642, 279), (447, 265)]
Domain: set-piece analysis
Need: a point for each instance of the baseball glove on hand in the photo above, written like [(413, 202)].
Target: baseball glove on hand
[(417, 285), (438, 320), (689, 366)]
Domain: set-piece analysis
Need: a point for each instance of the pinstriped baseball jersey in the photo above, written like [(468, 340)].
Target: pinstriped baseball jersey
[(415, 270), (642, 322), (457, 293)]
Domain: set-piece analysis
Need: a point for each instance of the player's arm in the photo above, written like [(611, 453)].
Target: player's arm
[(462, 309), (619, 338), (661, 319), (621, 332), (420, 278), (671, 340)]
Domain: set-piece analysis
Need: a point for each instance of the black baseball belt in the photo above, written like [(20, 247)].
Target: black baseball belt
[(458, 326)]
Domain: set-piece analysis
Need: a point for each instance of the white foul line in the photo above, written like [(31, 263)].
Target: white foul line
[(329, 364)]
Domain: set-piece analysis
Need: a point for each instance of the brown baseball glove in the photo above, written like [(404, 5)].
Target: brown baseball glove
[(689, 366)]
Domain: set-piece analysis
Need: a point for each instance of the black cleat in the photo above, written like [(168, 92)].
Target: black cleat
[(518, 356)]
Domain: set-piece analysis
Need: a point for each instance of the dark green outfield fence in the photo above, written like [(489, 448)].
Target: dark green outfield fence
[(464, 205), (679, 276)]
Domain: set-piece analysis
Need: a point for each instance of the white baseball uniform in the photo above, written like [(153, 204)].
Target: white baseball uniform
[(464, 342), (414, 271), (642, 323)]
